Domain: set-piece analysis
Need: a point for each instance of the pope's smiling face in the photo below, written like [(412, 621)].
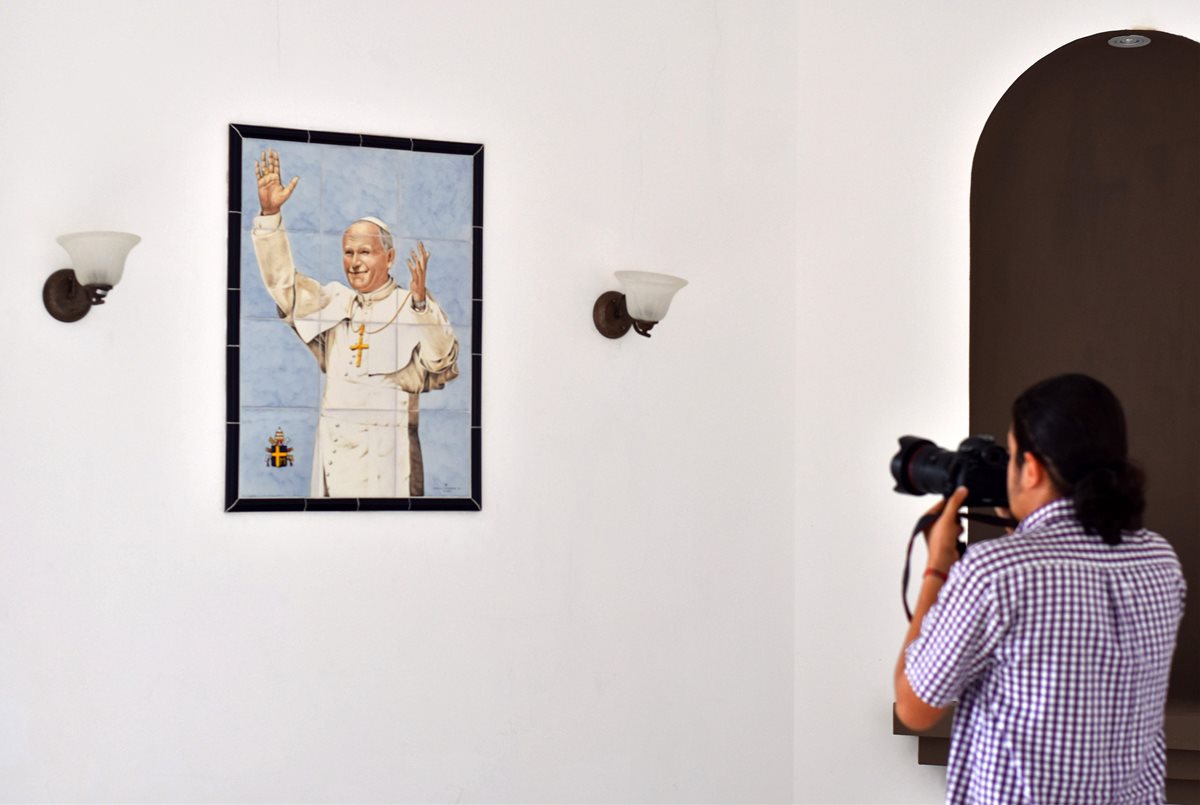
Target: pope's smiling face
[(364, 258)]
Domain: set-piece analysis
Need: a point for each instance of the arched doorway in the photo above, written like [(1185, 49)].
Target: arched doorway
[(1085, 256)]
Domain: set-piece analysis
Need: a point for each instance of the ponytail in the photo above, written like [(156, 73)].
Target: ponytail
[(1110, 499)]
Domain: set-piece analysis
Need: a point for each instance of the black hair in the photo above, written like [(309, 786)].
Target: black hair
[(1075, 426)]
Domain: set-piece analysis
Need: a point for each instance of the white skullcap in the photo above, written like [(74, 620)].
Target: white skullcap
[(371, 219)]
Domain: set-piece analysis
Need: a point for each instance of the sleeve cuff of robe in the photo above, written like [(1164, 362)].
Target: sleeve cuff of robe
[(266, 224)]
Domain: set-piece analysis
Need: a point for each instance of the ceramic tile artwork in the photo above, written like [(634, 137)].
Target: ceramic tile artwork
[(270, 354), (382, 348), (449, 277), (382, 441), (263, 473), (435, 196), (306, 251), (302, 213), (456, 395), (358, 182), (278, 386), (446, 446)]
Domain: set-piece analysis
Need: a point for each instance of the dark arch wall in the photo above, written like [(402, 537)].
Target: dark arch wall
[(1085, 256)]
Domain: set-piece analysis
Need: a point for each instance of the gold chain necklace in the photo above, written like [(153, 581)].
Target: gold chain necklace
[(399, 307)]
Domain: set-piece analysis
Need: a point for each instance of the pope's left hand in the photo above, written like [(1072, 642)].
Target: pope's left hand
[(418, 264)]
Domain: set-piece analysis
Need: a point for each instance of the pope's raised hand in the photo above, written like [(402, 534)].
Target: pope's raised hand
[(418, 264), (271, 192)]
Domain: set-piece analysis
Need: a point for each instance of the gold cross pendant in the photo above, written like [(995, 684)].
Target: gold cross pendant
[(360, 346)]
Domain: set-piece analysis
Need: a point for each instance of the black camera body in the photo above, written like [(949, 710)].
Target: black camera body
[(922, 468)]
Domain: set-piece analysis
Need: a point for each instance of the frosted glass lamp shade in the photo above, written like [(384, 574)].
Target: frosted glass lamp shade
[(97, 263), (648, 295), (644, 304), (98, 258)]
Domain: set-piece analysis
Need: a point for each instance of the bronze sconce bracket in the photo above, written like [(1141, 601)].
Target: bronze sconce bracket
[(66, 300), (612, 318)]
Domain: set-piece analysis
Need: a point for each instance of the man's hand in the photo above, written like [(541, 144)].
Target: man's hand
[(271, 193), (418, 264), (942, 536)]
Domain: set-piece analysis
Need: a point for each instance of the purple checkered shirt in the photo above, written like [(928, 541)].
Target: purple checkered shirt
[(1057, 648)]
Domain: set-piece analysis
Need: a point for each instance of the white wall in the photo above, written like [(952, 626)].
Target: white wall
[(669, 525), (893, 97), (615, 626)]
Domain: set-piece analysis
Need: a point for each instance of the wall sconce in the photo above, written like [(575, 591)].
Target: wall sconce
[(97, 260), (643, 305)]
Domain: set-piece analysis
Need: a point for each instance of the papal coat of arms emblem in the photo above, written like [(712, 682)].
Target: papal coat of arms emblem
[(280, 453)]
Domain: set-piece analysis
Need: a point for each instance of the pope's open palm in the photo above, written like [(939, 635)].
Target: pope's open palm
[(272, 194)]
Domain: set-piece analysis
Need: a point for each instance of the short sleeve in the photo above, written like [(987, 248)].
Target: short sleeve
[(958, 636)]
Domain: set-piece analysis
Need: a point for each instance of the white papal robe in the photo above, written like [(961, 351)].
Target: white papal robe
[(378, 354)]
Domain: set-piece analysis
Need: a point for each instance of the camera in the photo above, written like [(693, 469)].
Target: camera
[(922, 468)]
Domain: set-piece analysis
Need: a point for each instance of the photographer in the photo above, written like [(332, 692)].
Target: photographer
[(1055, 640)]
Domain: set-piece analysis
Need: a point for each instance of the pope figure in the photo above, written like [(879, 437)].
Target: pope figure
[(380, 347)]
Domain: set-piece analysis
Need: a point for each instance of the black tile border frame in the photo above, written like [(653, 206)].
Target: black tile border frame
[(476, 395), (235, 176), (268, 505), (476, 467), (233, 503), (233, 302), (477, 331), (330, 504), (477, 261), (233, 387), (231, 460), (233, 249), (477, 216)]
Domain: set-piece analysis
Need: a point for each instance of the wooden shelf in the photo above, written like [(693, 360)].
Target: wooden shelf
[(1181, 725)]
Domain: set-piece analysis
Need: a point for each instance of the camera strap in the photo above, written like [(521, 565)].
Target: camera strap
[(925, 522), (922, 525)]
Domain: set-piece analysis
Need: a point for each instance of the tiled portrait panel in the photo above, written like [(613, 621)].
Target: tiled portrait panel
[(425, 196), (359, 182), (327, 267), (446, 448), (303, 209), (456, 395), (278, 370), (262, 472), (436, 196), (447, 277), (306, 254), (351, 448)]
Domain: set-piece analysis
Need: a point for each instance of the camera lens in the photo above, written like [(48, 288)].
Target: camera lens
[(909, 479), (920, 467)]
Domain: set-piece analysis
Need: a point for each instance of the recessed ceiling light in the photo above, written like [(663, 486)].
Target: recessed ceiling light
[(1129, 41)]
